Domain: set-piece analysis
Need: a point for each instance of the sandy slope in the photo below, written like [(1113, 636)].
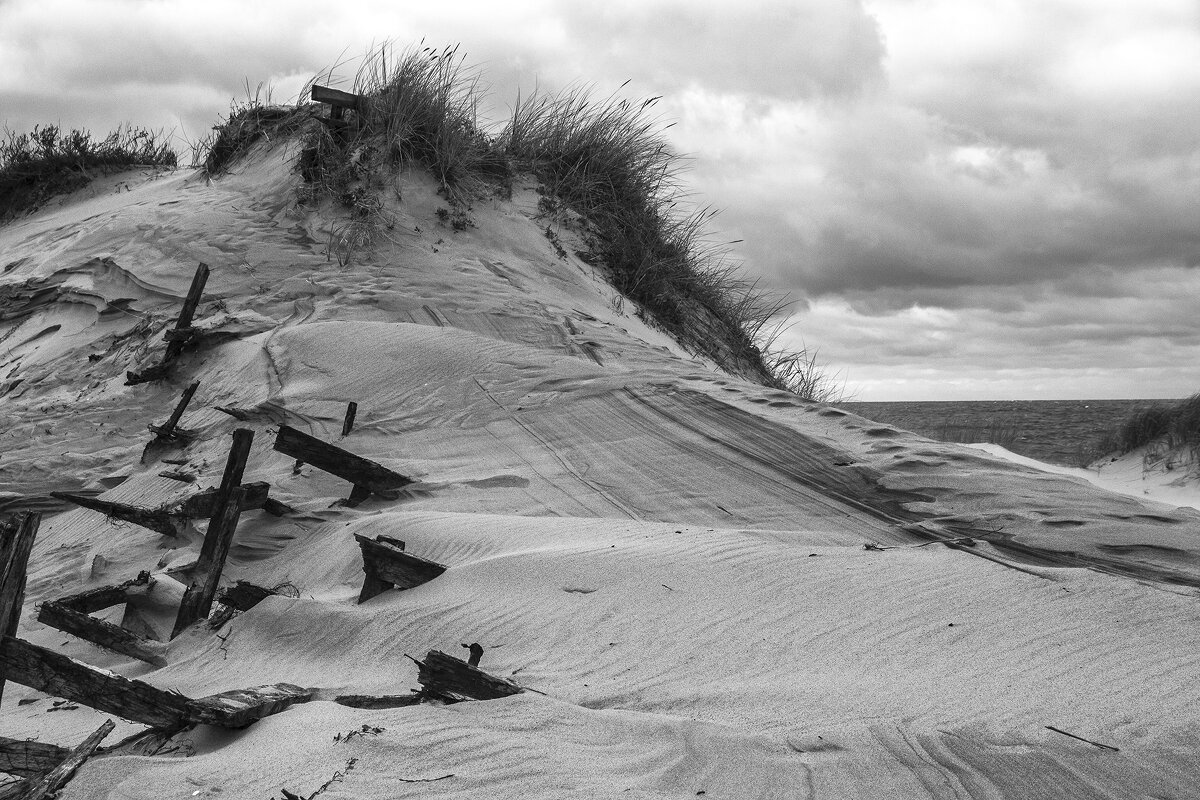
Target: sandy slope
[(673, 557)]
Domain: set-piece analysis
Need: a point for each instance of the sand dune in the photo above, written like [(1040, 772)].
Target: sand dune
[(673, 558)]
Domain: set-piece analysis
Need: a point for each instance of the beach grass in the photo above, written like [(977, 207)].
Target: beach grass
[(1172, 426), (48, 162), (605, 160)]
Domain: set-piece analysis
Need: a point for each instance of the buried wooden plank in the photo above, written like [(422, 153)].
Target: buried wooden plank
[(58, 777), (240, 707), (60, 676), (338, 100), (15, 547), (169, 430), (362, 472), (378, 701), (157, 519), (386, 566), (113, 637), (444, 677), (28, 759), (198, 599), (203, 505), (348, 422), (243, 595)]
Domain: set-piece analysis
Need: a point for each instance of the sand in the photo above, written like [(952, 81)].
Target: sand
[(672, 557)]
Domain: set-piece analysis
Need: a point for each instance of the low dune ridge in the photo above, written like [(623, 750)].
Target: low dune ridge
[(709, 586)]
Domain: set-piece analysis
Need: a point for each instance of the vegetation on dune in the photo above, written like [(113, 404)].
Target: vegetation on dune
[(36, 167), (1170, 426), (605, 161)]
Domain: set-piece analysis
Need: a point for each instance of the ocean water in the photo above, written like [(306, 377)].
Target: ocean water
[(1061, 432)]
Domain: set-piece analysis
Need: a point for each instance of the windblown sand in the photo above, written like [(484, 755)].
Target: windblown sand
[(649, 543)]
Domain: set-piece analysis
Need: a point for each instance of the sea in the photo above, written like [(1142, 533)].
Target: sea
[(1063, 432)]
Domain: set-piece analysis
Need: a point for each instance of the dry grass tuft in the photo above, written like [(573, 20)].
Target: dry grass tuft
[(1172, 427)]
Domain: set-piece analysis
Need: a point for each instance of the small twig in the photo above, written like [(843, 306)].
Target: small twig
[(668, 588), (424, 780), (1080, 738)]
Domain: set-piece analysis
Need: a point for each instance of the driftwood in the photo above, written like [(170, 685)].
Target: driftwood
[(449, 679), (169, 432), (197, 600), (387, 566), (55, 674), (71, 615), (58, 777), (28, 759), (366, 475), (15, 546), (180, 336), (243, 595)]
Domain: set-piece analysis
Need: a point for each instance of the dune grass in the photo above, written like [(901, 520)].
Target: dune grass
[(605, 160), (1172, 426), (249, 121), (38, 166)]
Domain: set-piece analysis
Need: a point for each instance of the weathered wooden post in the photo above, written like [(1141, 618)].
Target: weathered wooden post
[(73, 615), (14, 561), (387, 566), (179, 336), (348, 423), (367, 476), (168, 432), (58, 777), (198, 599)]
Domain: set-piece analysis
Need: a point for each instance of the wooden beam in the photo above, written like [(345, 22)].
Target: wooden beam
[(156, 519), (206, 576), (451, 680), (203, 505), (243, 595), (108, 596), (27, 759), (58, 777), (14, 561), (386, 566), (378, 701), (335, 97), (57, 675), (168, 431), (360, 471), (239, 708), (113, 637)]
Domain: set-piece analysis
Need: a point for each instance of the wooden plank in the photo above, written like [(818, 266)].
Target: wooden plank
[(202, 505), (57, 675), (378, 701), (156, 519), (108, 596), (335, 97), (451, 679), (336, 461), (59, 776), (15, 550), (113, 637), (28, 759), (239, 708), (386, 565), (243, 595)]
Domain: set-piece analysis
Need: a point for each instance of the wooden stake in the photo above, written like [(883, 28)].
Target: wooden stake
[(155, 519), (14, 561), (168, 432), (360, 471), (176, 344), (203, 505), (59, 776), (348, 423), (197, 600)]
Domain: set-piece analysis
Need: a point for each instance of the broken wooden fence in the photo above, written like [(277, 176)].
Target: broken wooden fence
[(170, 432), (178, 337)]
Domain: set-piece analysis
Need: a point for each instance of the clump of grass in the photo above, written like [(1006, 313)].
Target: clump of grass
[(38, 166), (250, 120), (1172, 426)]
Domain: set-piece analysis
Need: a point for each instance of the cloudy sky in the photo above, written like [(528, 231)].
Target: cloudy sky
[(967, 199)]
